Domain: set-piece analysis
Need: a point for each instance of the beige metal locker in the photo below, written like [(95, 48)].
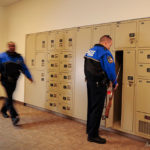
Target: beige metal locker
[(53, 66), (143, 96), (66, 66), (65, 109), (41, 41), (125, 35), (99, 31), (41, 61), (143, 33), (53, 96), (35, 93), (66, 98), (54, 86), (66, 87), (143, 70), (66, 56), (30, 50), (53, 55), (128, 90), (143, 124), (52, 40), (66, 77), (144, 56), (60, 40), (54, 76), (70, 36), (83, 43), (52, 105)]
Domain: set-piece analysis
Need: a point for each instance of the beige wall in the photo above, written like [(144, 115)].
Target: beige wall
[(3, 33), (29, 16)]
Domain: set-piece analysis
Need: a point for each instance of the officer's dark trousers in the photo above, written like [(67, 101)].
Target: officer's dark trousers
[(96, 98), (8, 105)]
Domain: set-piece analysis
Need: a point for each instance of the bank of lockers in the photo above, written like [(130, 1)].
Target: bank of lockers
[(58, 59)]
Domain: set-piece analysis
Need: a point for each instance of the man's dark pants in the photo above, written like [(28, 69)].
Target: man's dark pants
[(8, 105), (96, 98)]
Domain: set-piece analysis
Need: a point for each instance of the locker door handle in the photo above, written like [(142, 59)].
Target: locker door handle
[(148, 69), (131, 83), (32, 62)]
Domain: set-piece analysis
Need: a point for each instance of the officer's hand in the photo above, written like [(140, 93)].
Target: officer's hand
[(31, 80), (116, 86)]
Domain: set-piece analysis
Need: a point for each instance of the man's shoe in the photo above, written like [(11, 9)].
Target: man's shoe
[(15, 121), (5, 115), (98, 140)]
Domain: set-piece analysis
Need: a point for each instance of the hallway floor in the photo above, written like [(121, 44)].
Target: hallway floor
[(40, 130)]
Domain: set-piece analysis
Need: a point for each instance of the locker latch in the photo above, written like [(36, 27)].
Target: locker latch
[(132, 37)]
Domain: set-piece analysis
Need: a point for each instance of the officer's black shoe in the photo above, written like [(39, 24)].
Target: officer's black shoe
[(15, 121), (5, 115), (98, 140)]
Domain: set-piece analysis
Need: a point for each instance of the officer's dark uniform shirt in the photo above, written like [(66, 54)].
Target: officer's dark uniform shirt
[(101, 61), (12, 64)]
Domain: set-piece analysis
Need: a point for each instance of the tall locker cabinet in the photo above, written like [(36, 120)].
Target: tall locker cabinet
[(36, 58), (142, 117), (83, 43)]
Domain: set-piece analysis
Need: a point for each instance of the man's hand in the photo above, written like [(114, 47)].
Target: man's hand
[(116, 86), (31, 80)]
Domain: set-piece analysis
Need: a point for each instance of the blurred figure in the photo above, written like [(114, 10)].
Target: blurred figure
[(11, 65)]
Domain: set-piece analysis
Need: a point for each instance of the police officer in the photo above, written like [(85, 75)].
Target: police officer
[(99, 68), (11, 65)]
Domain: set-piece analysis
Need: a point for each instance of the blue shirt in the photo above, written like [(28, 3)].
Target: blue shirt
[(104, 57), (5, 58)]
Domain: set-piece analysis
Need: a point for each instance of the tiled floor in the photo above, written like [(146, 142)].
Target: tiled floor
[(40, 130)]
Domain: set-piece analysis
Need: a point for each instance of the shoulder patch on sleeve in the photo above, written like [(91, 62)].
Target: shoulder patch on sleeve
[(110, 60)]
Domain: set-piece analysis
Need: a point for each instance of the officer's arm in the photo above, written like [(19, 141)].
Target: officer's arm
[(25, 70), (108, 66)]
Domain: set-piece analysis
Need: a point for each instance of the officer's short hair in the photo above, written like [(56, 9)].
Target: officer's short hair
[(105, 38), (10, 42)]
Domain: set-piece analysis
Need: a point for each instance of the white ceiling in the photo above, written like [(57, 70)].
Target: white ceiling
[(7, 2)]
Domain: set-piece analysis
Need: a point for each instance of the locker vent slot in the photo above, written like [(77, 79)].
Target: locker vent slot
[(144, 127)]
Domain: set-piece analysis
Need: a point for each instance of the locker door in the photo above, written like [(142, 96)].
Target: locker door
[(66, 66), (99, 31), (144, 34), (65, 108), (52, 105), (83, 43), (60, 40), (128, 90), (65, 98), (143, 96), (66, 56), (125, 35), (52, 40), (70, 39), (66, 77), (54, 86), (30, 50), (54, 76), (53, 55), (41, 61), (144, 56), (53, 66), (35, 93), (143, 70), (41, 41), (66, 87)]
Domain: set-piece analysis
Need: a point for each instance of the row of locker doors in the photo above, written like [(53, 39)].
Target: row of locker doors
[(83, 43), (125, 35)]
